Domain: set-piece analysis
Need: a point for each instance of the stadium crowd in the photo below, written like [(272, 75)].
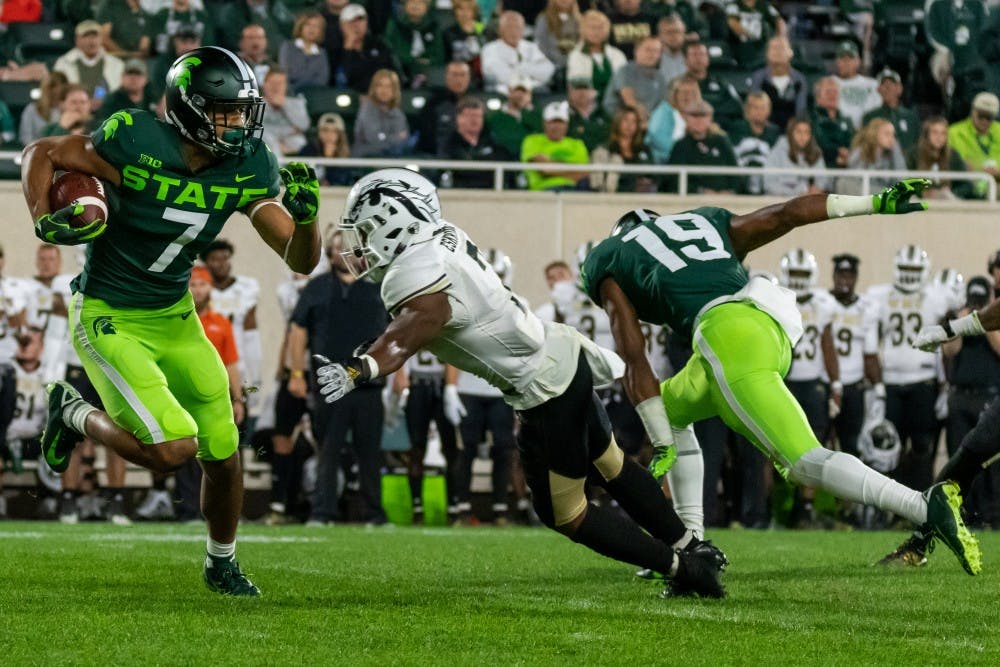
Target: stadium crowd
[(874, 85)]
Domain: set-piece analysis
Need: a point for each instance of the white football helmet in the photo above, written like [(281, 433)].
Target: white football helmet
[(799, 271), (766, 275), (953, 284), (385, 211), (911, 268), (501, 265)]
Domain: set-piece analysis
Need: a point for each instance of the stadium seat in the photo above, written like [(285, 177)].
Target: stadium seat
[(738, 79), (320, 99), (720, 55), (40, 41), (18, 94), (414, 103), (493, 101)]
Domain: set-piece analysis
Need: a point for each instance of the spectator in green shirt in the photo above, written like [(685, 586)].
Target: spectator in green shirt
[(74, 113), (933, 153), (977, 138), (415, 37), (833, 130), (906, 121), (704, 144), (552, 146), (751, 24), (134, 92), (517, 118), (588, 122), (124, 28)]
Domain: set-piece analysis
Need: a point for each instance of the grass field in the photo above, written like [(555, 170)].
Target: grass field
[(104, 595)]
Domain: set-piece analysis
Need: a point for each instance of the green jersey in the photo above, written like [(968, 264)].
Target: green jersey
[(670, 267), (162, 216)]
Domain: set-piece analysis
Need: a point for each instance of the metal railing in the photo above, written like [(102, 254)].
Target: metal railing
[(683, 172)]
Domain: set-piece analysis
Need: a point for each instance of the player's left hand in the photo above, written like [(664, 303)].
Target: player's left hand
[(930, 338), (896, 198), (664, 457), (301, 197), (335, 380), (454, 409)]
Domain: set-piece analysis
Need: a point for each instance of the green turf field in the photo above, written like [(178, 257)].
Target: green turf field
[(104, 595)]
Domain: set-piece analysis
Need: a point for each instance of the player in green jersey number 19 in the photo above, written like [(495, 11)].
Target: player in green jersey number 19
[(173, 185), (686, 271)]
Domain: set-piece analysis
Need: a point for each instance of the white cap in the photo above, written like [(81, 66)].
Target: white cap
[(521, 81), (351, 12), (556, 111)]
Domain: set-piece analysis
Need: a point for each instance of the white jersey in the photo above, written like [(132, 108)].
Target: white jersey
[(855, 334), (473, 385), (14, 297), (583, 315), (656, 338), (491, 332), (858, 96), (288, 296), (235, 302), (425, 363), (807, 355), (31, 408), (901, 316)]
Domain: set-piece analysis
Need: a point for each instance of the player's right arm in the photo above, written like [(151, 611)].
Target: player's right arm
[(753, 230)]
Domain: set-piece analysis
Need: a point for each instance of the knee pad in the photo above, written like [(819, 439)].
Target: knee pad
[(208, 381), (568, 499), (808, 470), (609, 464)]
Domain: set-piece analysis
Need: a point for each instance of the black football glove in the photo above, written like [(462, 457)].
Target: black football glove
[(55, 228), (301, 192)]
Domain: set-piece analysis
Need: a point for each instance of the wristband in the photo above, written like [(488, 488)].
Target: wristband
[(654, 419), (837, 387), (969, 325), (296, 374), (879, 390), (362, 368), (841, 206)]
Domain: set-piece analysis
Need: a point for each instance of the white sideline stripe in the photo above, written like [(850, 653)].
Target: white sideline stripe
[(720, 379), (127, 535), (116, 379)]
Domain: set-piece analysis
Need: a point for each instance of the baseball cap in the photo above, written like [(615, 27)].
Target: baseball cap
[(331, 118), (135, 66), (848, 49), (987, 103), (978, 290), (889, 73), (187, 31), (580, 82), (521, 81), (201, 273), (846, 262), (87, 27), (556, 111), (352, 12)]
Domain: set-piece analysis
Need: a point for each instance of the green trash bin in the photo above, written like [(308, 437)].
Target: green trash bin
[(435, 496)]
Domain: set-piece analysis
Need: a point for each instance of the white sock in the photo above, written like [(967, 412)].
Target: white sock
[(75, 414), (221, 550), (847, 477), (684, 541), (687, 478), (675, 564)]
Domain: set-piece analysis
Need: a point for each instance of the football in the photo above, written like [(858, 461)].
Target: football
[(76, 188)]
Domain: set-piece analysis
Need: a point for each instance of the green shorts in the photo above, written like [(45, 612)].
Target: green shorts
[(741, 356), (159, 376)]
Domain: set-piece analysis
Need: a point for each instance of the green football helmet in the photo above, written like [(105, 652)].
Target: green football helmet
[(634, 217), (204, 86)]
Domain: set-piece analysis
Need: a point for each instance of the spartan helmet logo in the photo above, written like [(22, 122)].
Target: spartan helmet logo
[(103, 325)]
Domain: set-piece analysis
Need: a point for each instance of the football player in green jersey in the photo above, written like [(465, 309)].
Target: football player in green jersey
[(172, 185), (685, 271)]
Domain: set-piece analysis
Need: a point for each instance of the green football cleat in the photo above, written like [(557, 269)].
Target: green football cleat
[(224, 576), (59, 438), (944, 502)]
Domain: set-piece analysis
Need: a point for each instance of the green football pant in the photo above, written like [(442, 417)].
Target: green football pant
[(159, 376), (740, 357)]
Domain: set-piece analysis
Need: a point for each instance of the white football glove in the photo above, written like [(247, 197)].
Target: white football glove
[(930, 338), (941, 405), (394, 404), (335, 380), (453, 408)]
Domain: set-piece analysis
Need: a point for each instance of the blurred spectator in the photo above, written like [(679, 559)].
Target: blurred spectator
[(861, 14), (725, 101), (464, 39), (587, 120), (273, 15), (437, 126), (704, 144), (629, 25), (516, 119), (123, 28), (691, 19), (670, 31), (187, 38), (7, 130), (557, 30), (415, 37), (592, 57), (625, 146), (955, 30), (874, 148), (75, 115), (381, 129), (906, 121), (302, 57), (833, 130), (977, 138), (553, 147), (858, 93), (134, 92), (333, 40), (253, 50), (933, 153), (171, 20), (511, 54), (638, 84), (753, 137), (363, 54), (44, 110), (786, 86), (469, 141), (797, 148), (666, 125), (751, 24), (21, 11), (286, 119), (330, 141), (89, 65)]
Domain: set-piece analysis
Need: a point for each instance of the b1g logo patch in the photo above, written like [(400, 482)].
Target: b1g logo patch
[(103, 325)]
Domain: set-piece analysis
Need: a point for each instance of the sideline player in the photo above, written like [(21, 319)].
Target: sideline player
[(446, 297), (685, 270), (173, 185)]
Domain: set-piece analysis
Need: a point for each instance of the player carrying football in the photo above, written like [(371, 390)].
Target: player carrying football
[(685, 271), (173, 186)]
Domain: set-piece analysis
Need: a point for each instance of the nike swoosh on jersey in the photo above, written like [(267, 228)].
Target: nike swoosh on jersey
[(186, 315), (240, 179)]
